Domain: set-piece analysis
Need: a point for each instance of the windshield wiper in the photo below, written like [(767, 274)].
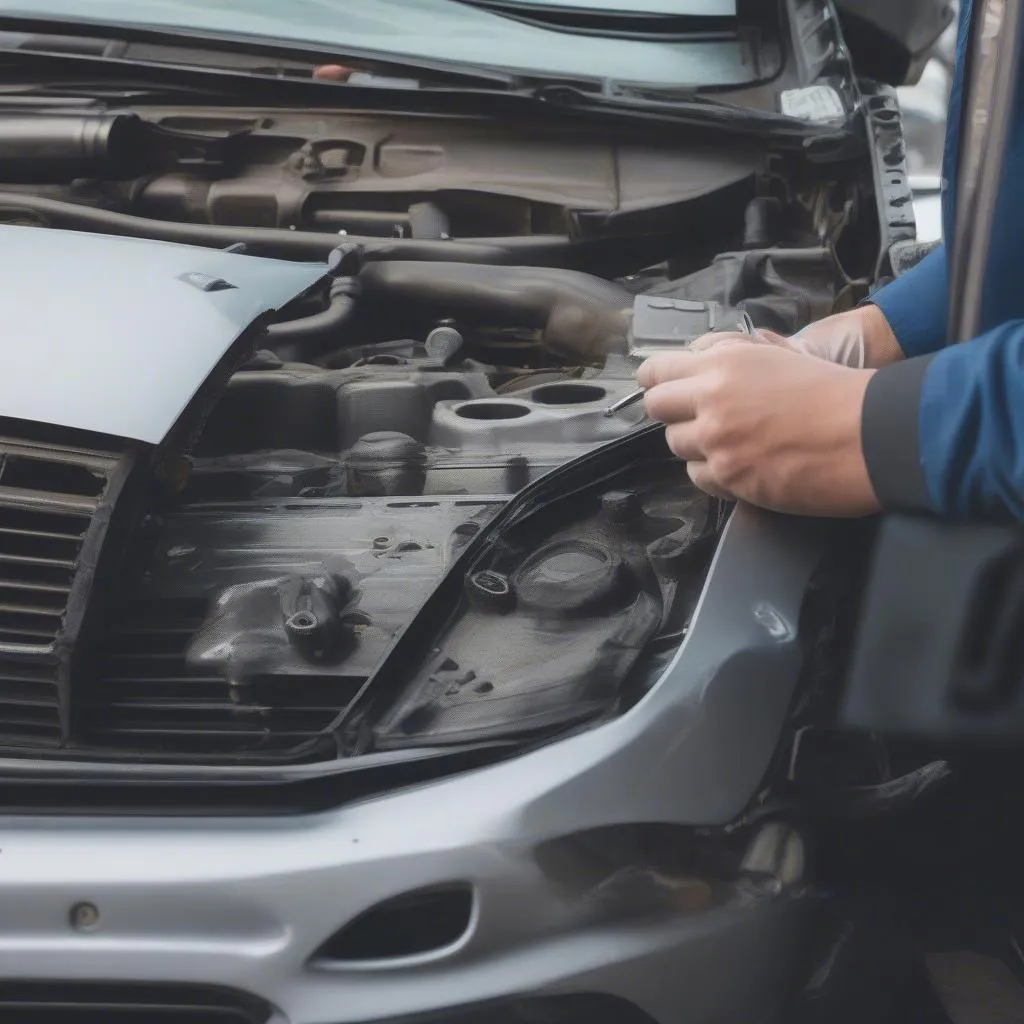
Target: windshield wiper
[(108, 72), (276, 62), (39, 77)]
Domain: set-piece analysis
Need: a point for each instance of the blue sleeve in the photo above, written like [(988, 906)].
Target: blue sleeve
[(916, 305), (972, 426), (945, 433)]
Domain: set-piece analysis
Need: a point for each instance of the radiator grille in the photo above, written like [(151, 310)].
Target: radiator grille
[(48, 500), (148, 699), (128, 1003)]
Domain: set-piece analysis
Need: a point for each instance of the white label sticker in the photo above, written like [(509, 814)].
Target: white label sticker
[(815, 103)]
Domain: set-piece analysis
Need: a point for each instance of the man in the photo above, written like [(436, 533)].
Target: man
[(868, 410)]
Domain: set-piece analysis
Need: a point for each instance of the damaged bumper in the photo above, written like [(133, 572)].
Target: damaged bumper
[(582, 880)]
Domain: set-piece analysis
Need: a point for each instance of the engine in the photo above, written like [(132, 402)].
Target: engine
[(225, 587), (331, 488), (247, 475)]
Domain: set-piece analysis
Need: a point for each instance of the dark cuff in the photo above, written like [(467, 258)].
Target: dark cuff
[(890, 435)]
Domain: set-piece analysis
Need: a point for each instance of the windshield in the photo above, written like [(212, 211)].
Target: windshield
[(677, 43)]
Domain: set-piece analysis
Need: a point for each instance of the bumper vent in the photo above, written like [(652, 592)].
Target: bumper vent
[(424, 921), (50, 536), (148, 699)]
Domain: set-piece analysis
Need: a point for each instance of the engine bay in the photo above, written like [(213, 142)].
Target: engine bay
[(487, 289), (321, 519)]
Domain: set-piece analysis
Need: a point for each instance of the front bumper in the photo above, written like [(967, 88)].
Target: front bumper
[(247, 903)]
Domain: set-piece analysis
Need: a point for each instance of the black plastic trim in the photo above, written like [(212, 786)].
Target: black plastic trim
[(126, 1002)]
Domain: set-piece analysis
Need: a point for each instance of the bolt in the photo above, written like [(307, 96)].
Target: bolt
[(621, 506), (85, 917)]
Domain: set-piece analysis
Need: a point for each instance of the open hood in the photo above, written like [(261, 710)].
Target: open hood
[(150, 321)]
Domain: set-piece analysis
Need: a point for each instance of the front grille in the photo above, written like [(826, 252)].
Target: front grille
[(127, 1003), (49, 497), (148, 699)]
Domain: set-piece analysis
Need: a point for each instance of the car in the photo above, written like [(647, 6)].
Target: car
[(361, 658)]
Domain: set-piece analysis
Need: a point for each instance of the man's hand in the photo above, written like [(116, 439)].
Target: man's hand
[(765, 424), (858, 338)]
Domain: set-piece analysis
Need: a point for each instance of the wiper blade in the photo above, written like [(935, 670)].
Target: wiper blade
[(278, 61), (106, 69), (73, 92), (38, 79)]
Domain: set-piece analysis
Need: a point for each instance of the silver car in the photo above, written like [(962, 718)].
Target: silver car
[(361, 657)]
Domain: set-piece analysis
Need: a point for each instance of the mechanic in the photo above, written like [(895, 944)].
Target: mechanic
[(886, 417)]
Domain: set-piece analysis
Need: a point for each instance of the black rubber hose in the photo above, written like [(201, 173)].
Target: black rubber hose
[(296, 245), (63, 147), (320, 329), (582, 317)]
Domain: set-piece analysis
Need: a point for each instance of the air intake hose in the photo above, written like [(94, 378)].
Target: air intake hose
[(62, 147), (582, 318)]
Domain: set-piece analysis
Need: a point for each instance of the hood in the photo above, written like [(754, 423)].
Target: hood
[(435, 30), (115, 335)]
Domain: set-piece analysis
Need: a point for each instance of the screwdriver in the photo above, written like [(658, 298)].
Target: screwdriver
[(746, 325)]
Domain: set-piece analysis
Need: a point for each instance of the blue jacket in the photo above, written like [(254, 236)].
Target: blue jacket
[(943, 431)]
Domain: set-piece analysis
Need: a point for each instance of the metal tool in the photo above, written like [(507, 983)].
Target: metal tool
[(746, 325), (623, 403)]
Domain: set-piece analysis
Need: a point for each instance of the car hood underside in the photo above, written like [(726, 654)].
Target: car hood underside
[(116, 335)]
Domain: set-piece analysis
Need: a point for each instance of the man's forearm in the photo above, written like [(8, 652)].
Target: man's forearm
[(905, 319), (915, 307)]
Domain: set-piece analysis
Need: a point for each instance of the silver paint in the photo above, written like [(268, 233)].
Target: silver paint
[(115, 335), (244, 903)]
